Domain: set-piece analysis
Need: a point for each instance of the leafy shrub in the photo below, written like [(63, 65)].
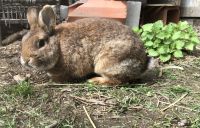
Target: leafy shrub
[(167, 41)]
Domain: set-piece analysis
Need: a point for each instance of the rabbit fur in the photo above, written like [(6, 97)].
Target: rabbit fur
[(71, 51)]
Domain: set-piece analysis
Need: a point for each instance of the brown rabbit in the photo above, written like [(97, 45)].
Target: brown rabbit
[(71, 51)]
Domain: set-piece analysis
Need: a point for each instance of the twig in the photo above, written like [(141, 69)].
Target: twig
[(158, 101), (3, 67), (54, 124), (93, 125), (169, 67), (136, 107), (195, 92), (171, 105), (173, 67), (179, 106), (58, 85), (66, 84), (163, 96), (91, 101), (3, 47)]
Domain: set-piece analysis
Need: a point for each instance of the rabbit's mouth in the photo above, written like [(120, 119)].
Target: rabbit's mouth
[(24, 63), (36, 64), (28, 63)]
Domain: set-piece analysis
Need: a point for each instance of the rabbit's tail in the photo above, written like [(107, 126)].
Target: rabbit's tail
[(152, 70)]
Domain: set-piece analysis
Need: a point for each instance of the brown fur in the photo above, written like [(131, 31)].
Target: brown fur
[(105, 47)]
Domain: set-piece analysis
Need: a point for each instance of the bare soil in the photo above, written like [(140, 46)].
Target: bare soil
[(10, 66), (171, 100)]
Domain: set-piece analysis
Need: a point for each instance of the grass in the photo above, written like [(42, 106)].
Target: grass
[(28, 105), (23, 89), (169, 74), (125, 101), (196, 123), (178, 89)]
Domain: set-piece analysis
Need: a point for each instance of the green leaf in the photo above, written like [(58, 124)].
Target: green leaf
[(168, 35), (179, 44), (149, 43), (183, 25), (167, 42), (158, 25), (150, 37), (161, 35), (178, 54), (176, 35), (195, 40), (156, 43), (172, 46), (153, 52), (144, 35), (144, 39), (165, 58), (189, 46), (163, 49), (170, 27), (136, 29), (191, 31), (147, 27), (186, 36)]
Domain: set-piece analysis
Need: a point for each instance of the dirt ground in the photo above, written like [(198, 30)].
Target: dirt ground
[(171, 100), (10, 66)]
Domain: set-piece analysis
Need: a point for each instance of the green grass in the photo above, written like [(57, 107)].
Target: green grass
[(178, 89), (170, 74), (131, 106), (66, 124), (124, 99), (23, 89), (196, 123)]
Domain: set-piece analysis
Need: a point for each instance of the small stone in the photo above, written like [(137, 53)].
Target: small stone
[(19, 78), (28, 75), (183, 123), (111, 101), (66, 90)]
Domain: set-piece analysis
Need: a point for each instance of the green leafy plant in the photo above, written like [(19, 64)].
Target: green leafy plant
[(167, 41)]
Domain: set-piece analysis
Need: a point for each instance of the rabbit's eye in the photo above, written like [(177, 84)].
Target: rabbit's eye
[(41, 43)]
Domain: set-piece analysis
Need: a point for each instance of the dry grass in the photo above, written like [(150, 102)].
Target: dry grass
[(144, 105)]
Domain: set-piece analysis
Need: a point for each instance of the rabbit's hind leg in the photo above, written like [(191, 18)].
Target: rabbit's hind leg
[(115, 72), (104, 81)]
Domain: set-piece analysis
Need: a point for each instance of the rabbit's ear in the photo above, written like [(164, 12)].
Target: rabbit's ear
[(32, 16), (47, 19)]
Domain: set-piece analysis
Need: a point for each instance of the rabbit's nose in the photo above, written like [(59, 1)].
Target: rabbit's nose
[(24, 61)]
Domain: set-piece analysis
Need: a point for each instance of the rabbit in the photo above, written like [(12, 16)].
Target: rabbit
[(71, 51)]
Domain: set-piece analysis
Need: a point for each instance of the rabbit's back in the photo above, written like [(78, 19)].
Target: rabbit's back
[(89, 42)]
